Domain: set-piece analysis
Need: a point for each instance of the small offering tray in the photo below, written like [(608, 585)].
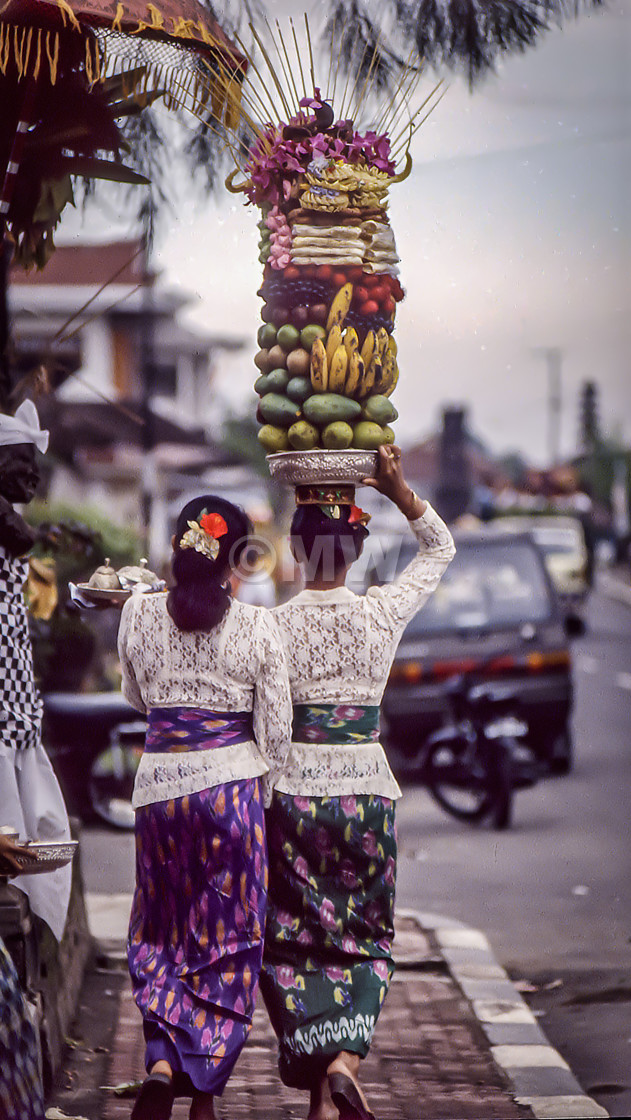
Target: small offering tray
[(51, 854), (104, 594), (296, 468)]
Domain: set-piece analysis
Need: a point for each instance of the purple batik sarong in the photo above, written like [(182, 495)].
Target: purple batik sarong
[(197, 922)]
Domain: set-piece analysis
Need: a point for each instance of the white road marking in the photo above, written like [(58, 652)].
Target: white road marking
[(587, 664)]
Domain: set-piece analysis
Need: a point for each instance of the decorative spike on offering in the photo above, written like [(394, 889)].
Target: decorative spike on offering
[(319, 166)]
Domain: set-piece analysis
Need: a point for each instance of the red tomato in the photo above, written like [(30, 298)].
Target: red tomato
[(361, 294), (355, 273), (370, 307), (291, 272), (339, 279), (372, 279), (397, 290), (324, 272), (389, 305)]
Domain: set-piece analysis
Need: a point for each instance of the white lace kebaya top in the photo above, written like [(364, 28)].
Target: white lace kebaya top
[(239, 666), (340, 647)]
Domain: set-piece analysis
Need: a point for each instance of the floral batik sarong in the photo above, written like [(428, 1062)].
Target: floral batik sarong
[(330, 919), (21, 1093), (198, 915)]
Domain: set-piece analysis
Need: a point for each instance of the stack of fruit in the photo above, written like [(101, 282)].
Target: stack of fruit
[(328, 359)]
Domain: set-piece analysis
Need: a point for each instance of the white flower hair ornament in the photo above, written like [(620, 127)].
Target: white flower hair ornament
[(203, 535)]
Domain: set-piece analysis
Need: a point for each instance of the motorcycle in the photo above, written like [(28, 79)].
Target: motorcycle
[(95, 742), (475, 762)]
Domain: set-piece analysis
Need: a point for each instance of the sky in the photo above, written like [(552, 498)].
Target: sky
[(513, 232)]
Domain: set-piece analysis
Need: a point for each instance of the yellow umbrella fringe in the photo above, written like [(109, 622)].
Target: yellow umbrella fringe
[(271, 69), (38, 59), (183, 28), (157, 21), (18, 49), (117, 22), (52, 54), (67, 12), (302, 77), (27, 51), (285, 65)]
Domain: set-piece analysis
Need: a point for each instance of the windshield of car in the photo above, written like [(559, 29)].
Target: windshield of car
[(487, 587), (554, 541)]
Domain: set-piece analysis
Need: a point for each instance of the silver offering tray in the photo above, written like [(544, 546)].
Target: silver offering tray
[(51, 854), (104, 594), (343, 468)]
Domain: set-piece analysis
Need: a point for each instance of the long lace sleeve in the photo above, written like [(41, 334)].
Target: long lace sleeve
[(129, 684), (402, 598), (272, 708)]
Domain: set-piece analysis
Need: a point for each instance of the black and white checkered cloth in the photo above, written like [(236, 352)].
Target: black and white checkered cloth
[(20, 703)]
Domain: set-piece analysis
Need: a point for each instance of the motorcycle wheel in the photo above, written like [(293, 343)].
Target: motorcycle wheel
[(111, 784), (458, 780)]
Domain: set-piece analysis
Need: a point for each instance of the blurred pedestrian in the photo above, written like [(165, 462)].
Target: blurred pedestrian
[(211, 675), (331, 829), (30, 798)]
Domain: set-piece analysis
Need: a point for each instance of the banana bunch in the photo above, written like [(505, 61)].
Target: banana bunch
[(339, 365)]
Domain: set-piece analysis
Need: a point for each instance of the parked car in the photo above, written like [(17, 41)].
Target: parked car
[(562, 541), (494, 616)]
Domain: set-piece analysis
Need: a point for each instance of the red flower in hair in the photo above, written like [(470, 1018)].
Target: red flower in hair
[(213, 524), (358, 515)]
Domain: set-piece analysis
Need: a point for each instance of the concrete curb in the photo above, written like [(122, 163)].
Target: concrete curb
[(539, 1077)]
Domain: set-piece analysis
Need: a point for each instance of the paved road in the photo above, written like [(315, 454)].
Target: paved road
[(553, 895)]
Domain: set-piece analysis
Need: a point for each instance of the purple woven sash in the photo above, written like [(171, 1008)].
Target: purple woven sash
[(174, 730)]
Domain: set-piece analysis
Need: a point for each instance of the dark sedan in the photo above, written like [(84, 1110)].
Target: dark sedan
[(494, 616)]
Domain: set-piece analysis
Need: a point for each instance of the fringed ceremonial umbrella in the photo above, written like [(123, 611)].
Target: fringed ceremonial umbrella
[(70, 70)]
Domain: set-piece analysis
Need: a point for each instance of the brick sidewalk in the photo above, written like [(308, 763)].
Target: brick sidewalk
[(429, 1057)]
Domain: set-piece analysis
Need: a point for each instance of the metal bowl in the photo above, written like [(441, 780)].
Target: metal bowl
[(51, 854), (298, 468)]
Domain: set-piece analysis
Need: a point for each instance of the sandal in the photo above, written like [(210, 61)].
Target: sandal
[(155, 1099), (346, 1098)]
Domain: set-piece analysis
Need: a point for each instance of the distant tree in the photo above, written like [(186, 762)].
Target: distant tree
[(462, 35)]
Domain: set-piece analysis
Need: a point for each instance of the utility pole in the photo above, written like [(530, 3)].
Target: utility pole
[(553, 356)]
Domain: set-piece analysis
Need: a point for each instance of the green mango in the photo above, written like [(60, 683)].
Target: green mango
[(337, 435), (368, 435), (299, 388), (278, 380), (273, 439), (379, 409), (303, 436), (325, 408), (279, 410)]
